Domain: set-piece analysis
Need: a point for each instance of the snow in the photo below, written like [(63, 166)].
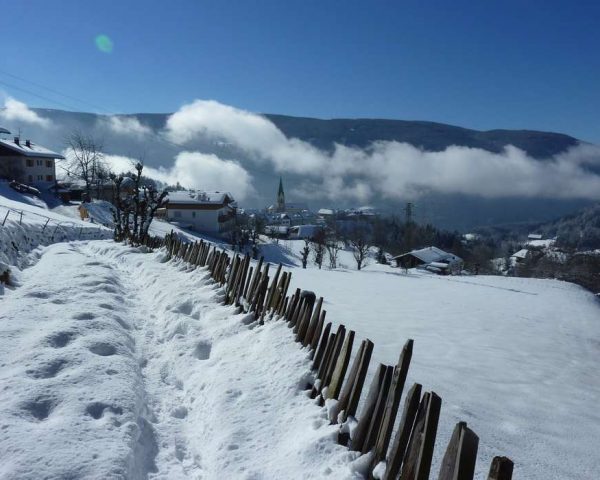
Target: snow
[(542, 243), (30, 223), (516, 358), (128, 366)]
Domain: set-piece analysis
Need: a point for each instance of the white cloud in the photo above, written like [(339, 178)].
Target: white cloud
[(195, 170), (16, 111), (390, 168), (126, 126)]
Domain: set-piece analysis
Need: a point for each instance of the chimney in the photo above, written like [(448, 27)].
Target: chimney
[(28, 143), (17, 140)]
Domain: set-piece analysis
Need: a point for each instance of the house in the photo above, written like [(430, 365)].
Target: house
[(27, 162), (430, 258), (208, 212), (520, 256), (304, 231)]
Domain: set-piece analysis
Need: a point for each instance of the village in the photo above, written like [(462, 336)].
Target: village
[(32, 168)]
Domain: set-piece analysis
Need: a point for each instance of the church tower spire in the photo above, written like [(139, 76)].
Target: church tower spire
[(280, 197)]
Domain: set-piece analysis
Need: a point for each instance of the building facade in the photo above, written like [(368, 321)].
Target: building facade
[(27, 162), (208, 212)]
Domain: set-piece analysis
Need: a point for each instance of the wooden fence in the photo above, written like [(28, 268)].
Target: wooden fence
[(408, 455)]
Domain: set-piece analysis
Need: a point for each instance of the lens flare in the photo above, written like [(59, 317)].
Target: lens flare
[(104, 43)]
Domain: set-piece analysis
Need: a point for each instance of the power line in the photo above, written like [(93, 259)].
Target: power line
[(29, 92), (71, 107), (57, 92)]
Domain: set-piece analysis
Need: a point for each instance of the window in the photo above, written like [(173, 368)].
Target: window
[(49, 178), (49, 163), (39, 163), (193, 214), (29, 162), (40, 178)]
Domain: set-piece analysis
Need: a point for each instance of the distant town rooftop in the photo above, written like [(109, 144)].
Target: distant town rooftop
[(194, 197)]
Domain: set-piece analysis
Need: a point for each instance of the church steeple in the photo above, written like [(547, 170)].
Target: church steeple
[(280, 197)]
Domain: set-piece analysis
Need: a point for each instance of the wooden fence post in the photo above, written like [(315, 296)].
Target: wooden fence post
[(306, 336), (392, 403), (417, 461), (317, 333), (376, 418), (350, 395), (326, 372), (360, 432), (460, 457), (501, 469), (339, 370), (400, 443)]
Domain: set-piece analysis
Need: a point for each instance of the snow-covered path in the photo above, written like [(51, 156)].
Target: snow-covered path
[(115, 364)]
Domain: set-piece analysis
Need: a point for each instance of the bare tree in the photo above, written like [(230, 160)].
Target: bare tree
[(85, 159), (359, 242), (304, 252), (317, 243), (333, 246), (135, 211)]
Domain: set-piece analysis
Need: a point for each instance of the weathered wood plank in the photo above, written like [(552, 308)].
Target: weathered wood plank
[(377, 416), (501, 469), (322, 348), (339, 371), (460, 457), (417, 462), (317, 334), (398, 448), (392, 403), (360, 432), (310, 330)]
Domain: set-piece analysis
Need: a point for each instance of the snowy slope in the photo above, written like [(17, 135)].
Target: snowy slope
[(515, 358), (124, 366), (26, 222)]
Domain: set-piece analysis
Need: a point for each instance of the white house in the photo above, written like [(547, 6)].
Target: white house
[(27, 162), (208, 212)]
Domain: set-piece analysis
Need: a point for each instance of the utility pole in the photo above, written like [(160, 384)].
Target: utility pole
[(408, 210)]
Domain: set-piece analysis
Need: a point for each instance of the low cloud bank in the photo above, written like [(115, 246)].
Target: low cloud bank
[(389, 168), (385, 169), (18, 112), (192, 170)]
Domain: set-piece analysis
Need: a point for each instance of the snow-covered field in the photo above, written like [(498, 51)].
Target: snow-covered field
[(117, 364), (516, 358)]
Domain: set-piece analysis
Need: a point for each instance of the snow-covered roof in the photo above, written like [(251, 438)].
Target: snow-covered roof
[(31, 150), (432, 254), (198, 197), (541, 243), (325, 211), (521, 253), (535, 236)]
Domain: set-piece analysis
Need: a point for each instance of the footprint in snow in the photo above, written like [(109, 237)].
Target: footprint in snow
[(48, 370), (60, 339), (40, 407), (202, 351), (103, 349), (96, 410)]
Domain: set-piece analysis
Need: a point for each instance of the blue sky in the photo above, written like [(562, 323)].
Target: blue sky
[(478, 64)]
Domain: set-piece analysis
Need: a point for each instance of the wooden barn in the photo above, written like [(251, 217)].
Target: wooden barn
[(430, 258)]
